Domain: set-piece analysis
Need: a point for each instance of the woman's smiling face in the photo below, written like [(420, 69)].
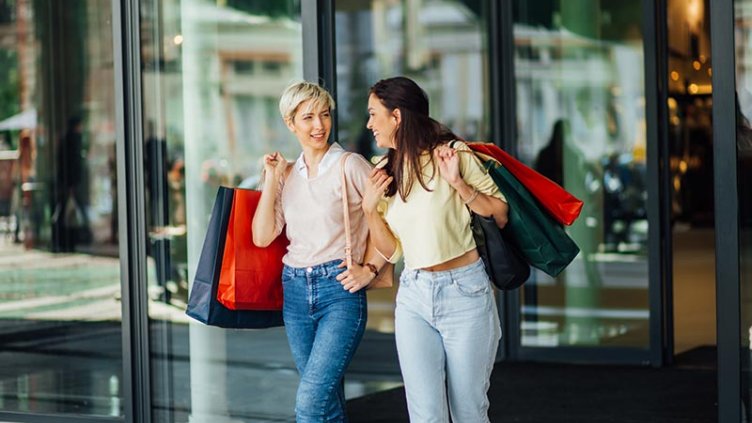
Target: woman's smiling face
[(311, 125), (382, 122)]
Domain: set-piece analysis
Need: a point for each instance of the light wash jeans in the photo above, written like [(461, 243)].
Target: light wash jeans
[(447, 332), (324, 325)]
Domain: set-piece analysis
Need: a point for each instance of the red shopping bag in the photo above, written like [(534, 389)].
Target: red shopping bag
[(561, 205), (202, 300), (251, 277)]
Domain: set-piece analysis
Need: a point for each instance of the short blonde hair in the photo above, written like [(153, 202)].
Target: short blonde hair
[(298, 93)]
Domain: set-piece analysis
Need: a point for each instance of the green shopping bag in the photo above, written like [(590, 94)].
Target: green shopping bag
[(541, 240)]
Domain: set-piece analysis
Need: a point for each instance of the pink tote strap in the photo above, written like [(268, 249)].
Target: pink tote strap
[(346, 211)]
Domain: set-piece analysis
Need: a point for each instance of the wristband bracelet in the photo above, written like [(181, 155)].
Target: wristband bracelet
[(472, 197), (372, 268)]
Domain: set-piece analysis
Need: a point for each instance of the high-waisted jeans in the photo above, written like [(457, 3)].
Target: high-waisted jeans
[(447, 331), (324, 325)]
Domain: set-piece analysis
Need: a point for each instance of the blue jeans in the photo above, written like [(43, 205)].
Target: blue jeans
[(324, 325), (447, 331)]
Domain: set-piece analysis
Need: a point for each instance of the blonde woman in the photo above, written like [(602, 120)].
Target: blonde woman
[(324, 303)]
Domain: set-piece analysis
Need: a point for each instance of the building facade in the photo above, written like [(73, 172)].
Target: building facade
[(120, 119)]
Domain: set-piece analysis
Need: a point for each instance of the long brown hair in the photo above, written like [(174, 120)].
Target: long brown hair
[(416, 134)]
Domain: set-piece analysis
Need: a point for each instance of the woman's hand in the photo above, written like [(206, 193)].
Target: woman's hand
[(275, 165), (449, 164), (378, 182), (264, 220), (355, 278)]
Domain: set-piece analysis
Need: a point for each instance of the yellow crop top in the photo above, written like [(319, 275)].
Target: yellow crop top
[(433, 227)]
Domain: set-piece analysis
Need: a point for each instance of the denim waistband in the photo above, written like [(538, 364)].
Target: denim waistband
[(324, 269), (450, 274)]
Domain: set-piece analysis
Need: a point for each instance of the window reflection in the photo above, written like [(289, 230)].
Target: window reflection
[(213, 74), (60, 319), (439, 44), (690, 168), (581, 121)]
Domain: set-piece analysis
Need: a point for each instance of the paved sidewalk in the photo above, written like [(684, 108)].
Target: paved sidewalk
[(61, 346)]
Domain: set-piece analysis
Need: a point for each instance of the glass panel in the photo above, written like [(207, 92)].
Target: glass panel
[(213, 74), (743, 30), (690, 150), (60, 311), (439, 44), (581, 121)]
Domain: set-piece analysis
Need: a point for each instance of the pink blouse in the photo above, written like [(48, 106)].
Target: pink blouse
[(312, 210)]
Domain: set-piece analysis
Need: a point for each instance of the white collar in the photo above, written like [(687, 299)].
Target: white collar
[(330, 157)]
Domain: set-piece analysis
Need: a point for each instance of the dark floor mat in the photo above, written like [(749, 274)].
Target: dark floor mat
[(535, 393)]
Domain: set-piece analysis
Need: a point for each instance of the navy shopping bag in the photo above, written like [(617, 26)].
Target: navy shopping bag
[(202, 302)]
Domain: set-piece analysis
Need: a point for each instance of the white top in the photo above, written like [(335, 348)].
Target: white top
[(330, 159)]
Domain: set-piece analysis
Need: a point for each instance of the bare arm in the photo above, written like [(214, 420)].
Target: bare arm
[(479, 203), (359, 276), (380, 234), (372, 256), (482, 204), (264, 231)]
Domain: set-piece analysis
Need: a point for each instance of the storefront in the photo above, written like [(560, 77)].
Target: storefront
[(120, 119)]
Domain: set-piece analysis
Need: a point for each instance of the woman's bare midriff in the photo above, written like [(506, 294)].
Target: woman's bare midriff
[(469, 257)]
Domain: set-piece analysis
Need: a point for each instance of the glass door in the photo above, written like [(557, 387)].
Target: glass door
[(60, 303), (580, 95), (212, 74), (690, 168)]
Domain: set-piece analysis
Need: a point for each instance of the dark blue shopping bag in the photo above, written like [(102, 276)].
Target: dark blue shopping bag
[(202, 302)]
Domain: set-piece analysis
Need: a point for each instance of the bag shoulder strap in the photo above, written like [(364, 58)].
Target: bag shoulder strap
[(346, 210), (452, 143)]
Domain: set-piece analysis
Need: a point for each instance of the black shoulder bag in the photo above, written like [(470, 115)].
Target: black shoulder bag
[(504, 264)]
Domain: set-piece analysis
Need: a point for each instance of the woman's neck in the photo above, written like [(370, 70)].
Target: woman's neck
[(312, 158)]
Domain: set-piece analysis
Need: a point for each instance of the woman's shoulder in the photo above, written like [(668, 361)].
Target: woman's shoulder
[(356, 164), (461, 146), (355, 159), (467, 159), (458, 145)]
